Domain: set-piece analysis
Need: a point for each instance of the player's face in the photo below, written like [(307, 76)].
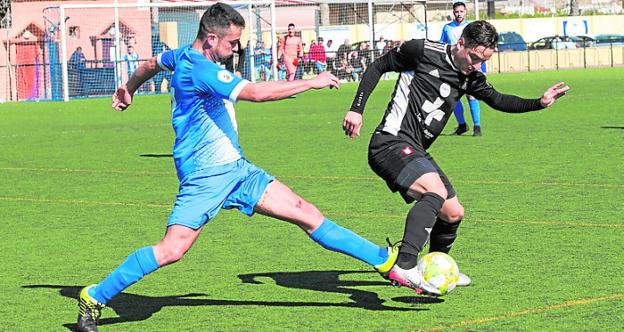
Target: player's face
[(227, 44), (469, 60), (460, 13), (291, 30)]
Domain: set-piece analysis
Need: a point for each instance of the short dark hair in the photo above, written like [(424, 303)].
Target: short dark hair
[(217, 19), (458, 4), (291, 25), (480, 33)]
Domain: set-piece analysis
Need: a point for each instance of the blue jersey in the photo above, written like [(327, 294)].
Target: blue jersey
[(452, 31), (205, 129)]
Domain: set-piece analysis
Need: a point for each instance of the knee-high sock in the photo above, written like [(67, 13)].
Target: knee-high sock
[(443, 235), (139, 264), (459, 113), (418, 225), (337, 238), (475, 111)]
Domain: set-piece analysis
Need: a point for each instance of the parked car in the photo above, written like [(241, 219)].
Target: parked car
[(609, 39), (583, 41), (511, 41), (547, 42)]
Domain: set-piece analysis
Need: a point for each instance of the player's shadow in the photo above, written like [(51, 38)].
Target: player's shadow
[(156, 155), (330, 281), (131, 307), (612, 127)]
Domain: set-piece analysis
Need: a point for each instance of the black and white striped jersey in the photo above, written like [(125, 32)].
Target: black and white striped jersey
[(428, 87)]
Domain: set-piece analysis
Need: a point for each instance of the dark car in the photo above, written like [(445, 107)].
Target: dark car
[(609, 39), (511, 41)]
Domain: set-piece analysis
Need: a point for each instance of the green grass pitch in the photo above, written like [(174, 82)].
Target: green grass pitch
[(83, 186)]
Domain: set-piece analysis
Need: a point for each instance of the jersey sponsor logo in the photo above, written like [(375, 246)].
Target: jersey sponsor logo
[(407, 151), (433, 109), (435, 73), (225, 76), (445, 90)]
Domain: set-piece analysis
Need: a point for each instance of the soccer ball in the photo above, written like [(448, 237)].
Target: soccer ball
[(439, 273)]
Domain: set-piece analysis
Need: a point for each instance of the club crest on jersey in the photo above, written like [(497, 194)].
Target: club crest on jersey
[(435, 73), (407, 151), (225, 76)]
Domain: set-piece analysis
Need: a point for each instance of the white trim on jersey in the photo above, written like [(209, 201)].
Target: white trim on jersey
[(159, 61), (392, 125), (237, 90), (435, 46)]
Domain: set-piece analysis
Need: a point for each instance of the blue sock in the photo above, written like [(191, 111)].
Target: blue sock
[(459, 113), (139, 264), (475, 111), (340, 239)]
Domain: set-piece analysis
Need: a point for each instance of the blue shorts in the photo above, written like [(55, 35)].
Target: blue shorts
[(203, 193)]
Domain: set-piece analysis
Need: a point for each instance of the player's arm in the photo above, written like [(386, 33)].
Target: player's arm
[(271, 90), (514, 104), (123, 96), (402, 58)]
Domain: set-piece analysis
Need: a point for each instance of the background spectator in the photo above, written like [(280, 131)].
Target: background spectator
[(318, 56), (132, 60)]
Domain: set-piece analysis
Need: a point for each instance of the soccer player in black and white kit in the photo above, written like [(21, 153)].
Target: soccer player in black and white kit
[(433, 77)]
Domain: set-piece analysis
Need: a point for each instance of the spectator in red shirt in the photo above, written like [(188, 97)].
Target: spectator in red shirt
[(317, 55)]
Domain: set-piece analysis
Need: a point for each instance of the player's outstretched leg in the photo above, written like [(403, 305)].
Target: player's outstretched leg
[(94, 298), (462, 126), (279, 201), (177, 241)]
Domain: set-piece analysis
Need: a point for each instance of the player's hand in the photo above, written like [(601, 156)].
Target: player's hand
[(352, 124), (325, 79), (553, 93), (122, 98)]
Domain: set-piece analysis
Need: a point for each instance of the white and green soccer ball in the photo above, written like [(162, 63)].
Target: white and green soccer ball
[(439, 272)]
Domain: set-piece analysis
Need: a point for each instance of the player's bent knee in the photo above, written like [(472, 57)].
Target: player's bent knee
[(453, 213), (167, 254)]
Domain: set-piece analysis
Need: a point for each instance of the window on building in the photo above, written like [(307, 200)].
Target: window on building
[(5, 14), (74, 32)]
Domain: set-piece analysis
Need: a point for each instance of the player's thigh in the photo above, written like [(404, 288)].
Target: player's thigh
[(452, 211), (406, 168), (279, 201)]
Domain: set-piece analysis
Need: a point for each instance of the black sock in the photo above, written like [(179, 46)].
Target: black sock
[(419, 223), (443, 235)]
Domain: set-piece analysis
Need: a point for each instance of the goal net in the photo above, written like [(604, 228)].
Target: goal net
[(100, 45)]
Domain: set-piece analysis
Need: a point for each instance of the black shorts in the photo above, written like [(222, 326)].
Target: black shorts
[(401, 163)]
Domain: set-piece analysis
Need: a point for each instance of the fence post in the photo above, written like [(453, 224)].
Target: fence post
[(611, 52), (65, 76)]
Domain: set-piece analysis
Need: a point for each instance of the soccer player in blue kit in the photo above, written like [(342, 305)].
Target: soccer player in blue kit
[(210, 165), (451, 32)]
